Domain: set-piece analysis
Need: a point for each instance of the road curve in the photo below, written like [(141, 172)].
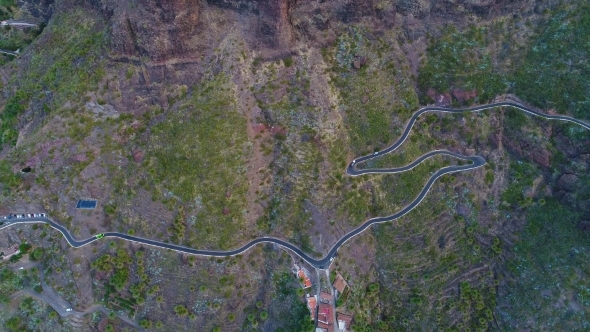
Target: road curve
[(322, 263)]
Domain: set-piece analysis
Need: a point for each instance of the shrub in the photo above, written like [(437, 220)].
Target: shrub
[(146, 324), (37, 254), (181, 310)]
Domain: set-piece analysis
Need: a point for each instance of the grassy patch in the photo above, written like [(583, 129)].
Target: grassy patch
[(521, 177), (555, 70), (197, 155), (429, 276), (66, 62), (459, 60), (552, 288), (375, 98)]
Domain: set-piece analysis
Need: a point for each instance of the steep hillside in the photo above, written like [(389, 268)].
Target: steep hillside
[(211, 123)]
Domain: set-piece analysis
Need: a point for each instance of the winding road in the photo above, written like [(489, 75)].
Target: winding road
[(323, 263)]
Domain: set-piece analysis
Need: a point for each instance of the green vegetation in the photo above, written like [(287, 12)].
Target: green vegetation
[(554, 72), (427, 257), (37, 254), (10, 282), (31, 316), (118, 266), (145, 323), (14, 324), (8, 180), (64, 54), (521, 176), (288, 62), (297, 317), (550, 264), (459, 60), (181, 310), (197, 153), (374, 97)]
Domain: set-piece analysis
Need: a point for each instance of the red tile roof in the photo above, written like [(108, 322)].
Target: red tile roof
[(325, 314), (346, 319), (326, 298), (306, 281), (311, 304), (340, 284)]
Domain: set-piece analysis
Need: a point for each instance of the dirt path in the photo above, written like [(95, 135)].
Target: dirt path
[(60, 305)]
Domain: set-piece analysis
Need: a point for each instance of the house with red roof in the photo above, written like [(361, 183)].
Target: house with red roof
[(344, 322), (340, 284), (305, 281), (311, 305), (326, 317), (303, 275), (326, 298)]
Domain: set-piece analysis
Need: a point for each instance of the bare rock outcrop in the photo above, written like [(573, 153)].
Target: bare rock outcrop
[(160, 29)]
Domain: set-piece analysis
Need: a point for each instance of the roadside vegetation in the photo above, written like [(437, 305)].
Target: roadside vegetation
[(197, 162), (375, 98), (460, 60), (180, 174), (546, 68)]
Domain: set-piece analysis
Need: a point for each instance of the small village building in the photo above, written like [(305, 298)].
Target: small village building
[(344, 322), (303, 276), (340, 284), (311, 305), (326, 298), (305, 281), (326, 317)]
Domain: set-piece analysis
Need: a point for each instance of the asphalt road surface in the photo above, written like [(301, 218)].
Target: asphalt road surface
[(323, 263)]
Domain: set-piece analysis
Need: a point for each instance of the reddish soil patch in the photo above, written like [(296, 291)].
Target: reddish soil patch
[(138, 156), (275, 130)]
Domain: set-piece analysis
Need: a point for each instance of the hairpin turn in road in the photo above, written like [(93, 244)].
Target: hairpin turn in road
[(322, 263)]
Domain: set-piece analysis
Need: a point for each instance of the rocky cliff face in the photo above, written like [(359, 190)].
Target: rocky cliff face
[(160, 30), (169, 29)]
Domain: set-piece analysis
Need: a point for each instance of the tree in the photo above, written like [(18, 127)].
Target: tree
[(37, 254), (14, 323), (24, 247), (181, 310), (146, 324), (119, 279)]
